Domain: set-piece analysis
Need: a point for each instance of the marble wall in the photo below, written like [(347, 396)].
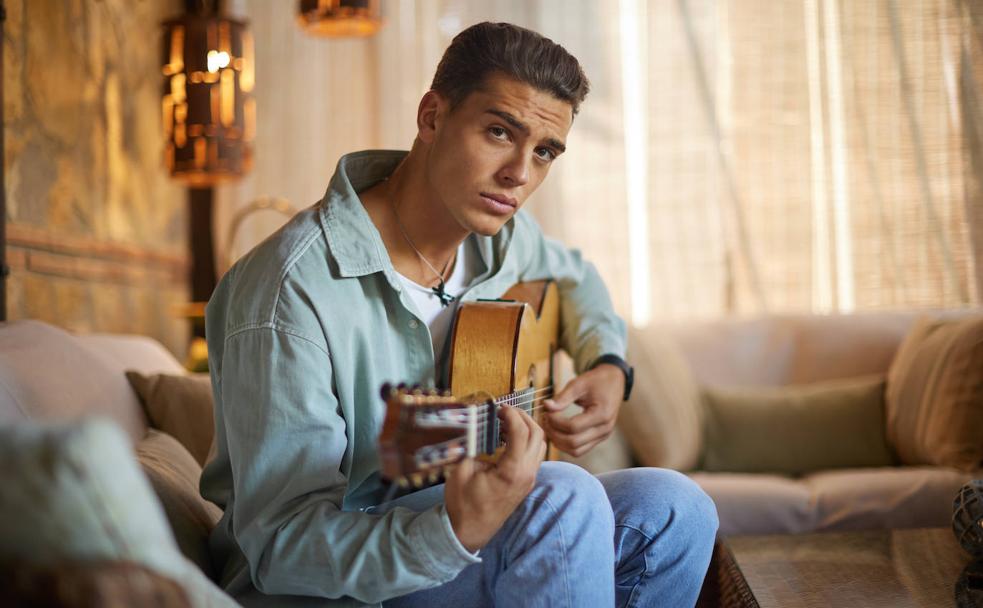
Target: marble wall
[(96, 228)]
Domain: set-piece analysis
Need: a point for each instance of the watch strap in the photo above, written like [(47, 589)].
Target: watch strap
[(621, 364)]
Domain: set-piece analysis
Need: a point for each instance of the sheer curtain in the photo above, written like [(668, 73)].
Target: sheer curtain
[(733, 157)]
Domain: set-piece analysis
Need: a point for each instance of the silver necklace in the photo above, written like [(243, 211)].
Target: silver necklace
[(444, 297)]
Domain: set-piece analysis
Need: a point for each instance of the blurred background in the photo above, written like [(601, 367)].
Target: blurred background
[(740, 157)]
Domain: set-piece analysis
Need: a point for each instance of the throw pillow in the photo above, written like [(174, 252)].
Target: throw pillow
[(174, 475), (181, 406), (74, 492), (935, 394), (663, 420), (797, 429)]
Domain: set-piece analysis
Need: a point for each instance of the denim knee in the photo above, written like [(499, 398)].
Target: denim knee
[(575, 493), (649, 497)]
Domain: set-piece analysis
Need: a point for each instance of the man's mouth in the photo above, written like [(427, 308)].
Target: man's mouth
[(501, 199)]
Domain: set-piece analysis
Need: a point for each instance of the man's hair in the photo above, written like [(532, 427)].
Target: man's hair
[(522, 54)]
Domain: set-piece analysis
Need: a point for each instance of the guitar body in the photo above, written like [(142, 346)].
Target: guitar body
[(507, 345), (501, 356), (503, 346)]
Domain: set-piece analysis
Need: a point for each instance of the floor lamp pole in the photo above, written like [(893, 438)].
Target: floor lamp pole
[(203, 275)]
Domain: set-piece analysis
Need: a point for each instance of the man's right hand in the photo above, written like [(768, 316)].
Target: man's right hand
[(481, 497)]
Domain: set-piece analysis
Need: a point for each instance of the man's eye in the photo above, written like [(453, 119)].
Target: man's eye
[(545, 154), (499, 133)]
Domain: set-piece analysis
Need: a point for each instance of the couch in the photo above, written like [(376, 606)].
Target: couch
[(777, 351), (49, 375)]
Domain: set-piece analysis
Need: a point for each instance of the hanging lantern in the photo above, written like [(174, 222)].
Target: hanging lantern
[(339, 18), (208, 109)]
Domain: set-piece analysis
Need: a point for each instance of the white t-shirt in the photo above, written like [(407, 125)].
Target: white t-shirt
[(436, 316)]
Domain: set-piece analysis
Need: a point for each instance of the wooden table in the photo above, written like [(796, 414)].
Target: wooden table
[(889, 568)]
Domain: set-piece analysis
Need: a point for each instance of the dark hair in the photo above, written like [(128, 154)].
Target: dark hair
[(484, 48)]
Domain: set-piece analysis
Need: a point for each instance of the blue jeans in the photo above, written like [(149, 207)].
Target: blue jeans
[(637, 537)]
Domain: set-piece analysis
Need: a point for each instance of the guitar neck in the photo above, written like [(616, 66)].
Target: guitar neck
[(528, 400)]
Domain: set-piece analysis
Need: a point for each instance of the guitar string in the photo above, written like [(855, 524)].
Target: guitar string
[(525, 393), (524, 396), (505, 401), (457, 440), (481, 423), (481, 426), (485, 417)]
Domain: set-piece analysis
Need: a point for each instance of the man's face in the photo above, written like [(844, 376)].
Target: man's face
[(492, 151)]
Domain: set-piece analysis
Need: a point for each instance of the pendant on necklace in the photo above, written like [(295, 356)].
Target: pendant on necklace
[(445, 298)]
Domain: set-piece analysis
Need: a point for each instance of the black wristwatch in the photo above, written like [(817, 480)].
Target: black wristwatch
[(621, 364)]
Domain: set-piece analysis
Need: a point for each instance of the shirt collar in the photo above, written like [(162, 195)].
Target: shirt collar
[(353, 239)]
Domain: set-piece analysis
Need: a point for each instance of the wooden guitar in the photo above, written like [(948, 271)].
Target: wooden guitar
[(501, 356)]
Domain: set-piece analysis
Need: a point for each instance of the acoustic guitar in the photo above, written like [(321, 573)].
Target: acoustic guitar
[(501, 356)]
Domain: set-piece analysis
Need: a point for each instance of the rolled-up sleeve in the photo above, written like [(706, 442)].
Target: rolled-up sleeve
[(589, 326), (287, 445)]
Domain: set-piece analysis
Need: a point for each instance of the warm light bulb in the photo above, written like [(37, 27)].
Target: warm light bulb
[(217, 60)]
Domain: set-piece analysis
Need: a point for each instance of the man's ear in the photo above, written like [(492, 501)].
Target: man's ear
[(431, 111)]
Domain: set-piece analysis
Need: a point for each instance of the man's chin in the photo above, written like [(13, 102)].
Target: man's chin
[(489, 227)]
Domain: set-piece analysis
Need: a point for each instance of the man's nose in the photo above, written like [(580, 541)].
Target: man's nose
[(515, 173)]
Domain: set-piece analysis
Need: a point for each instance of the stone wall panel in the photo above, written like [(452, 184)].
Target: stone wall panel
[(96, 228)]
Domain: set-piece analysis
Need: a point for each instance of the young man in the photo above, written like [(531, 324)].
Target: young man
[(360, 290)]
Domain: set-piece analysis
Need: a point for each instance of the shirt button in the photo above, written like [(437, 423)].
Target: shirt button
[(414, 323)]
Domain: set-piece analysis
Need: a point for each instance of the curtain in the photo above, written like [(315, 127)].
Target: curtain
[(733, 157)]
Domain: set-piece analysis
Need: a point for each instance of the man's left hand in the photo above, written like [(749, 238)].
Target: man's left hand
[(599, 393)]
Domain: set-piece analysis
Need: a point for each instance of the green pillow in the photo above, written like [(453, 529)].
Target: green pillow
[(797, 429)]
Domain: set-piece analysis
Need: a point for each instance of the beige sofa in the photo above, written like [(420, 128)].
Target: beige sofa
[(779, 351), (47, 374)]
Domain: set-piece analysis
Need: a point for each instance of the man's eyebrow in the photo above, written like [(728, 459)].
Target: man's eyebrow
[(521, 126), (556, 143), (512, 120)]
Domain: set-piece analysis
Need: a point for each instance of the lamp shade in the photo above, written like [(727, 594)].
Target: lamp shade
[(208, 110), (340, 18)]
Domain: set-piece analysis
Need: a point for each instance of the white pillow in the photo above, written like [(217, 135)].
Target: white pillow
[(75, 491)]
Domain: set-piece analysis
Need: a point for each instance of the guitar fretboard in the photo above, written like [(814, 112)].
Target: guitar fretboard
[(525, 399)]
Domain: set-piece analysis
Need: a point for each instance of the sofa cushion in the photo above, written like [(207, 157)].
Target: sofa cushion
[(777, 350), (663, 420), (797, 429), (758, 504), (895, 497), (75, 492), (181, 406), (174, 475), (138, 353), (47, 374), (935, 394)]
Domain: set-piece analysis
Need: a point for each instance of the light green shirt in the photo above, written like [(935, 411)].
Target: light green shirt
[(302, 333)]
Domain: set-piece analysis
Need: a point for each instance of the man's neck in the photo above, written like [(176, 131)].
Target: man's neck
[(413, 222)]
